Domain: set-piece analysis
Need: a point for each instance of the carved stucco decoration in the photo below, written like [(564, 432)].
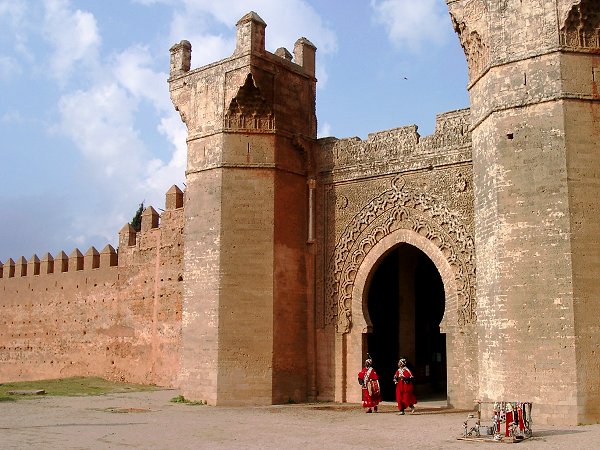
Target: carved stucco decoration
[(341, 202), (461, 183), (404, 143), (581, 27), (469, 28), (476, 51), (249, 110), (400, 208)]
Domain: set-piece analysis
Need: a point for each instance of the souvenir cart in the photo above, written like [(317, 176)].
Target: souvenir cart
[(510, 422)]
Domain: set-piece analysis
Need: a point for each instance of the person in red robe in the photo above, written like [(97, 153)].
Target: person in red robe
[(369, 382), (405, 387)]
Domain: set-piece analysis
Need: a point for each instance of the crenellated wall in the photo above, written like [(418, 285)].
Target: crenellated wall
[(284, 235), (111, 314)]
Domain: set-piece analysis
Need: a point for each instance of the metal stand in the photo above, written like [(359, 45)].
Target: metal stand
[(515, 416)]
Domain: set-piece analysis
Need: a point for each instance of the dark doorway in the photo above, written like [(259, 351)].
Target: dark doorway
[(406, 305)]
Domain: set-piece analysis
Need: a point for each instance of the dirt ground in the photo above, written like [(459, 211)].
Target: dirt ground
[(149, 420)]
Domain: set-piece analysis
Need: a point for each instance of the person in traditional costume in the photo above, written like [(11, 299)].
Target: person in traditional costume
[(369, 382), (405, 388)]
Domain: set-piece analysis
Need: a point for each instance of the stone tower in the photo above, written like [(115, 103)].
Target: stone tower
[(534, 70), (251, 126)]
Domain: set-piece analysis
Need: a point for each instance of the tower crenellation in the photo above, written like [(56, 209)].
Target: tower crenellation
[(33, 265), (181, 58), (76, 260), (47, 264), (91, 259), (305, 54), (150, 219), (250, 34), (21, 266), (109, 257), (61, 262)]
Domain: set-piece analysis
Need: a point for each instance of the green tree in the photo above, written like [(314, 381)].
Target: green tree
[(136, 222)]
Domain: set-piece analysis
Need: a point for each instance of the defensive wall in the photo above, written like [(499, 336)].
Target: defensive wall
[(113, 314), (283, 232)]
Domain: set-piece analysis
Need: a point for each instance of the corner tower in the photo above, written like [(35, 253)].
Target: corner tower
[(251, 126), (534, 69)]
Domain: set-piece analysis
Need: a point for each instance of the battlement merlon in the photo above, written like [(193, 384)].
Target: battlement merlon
[(181, 58), (251, 91), (250, 34), (108, 257), (250, 41), (304, 54)]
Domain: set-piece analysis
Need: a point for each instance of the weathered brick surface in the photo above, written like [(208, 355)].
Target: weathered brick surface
[(121, 322), (250, 121), (535, 127), (280, 234)]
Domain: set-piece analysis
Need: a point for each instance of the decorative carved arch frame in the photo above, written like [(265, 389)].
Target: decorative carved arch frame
[(362, 321), (404, 215), (401, 208)]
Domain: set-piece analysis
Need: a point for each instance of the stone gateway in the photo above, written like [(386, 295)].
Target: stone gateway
[(473, 252)]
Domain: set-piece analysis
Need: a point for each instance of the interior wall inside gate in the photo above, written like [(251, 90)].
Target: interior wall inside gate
[(461, 342)]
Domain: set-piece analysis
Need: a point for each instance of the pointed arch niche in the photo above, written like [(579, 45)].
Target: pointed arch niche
[(402, 217), (461, 343)]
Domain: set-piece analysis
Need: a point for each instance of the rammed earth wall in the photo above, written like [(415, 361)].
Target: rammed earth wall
[(120, 320)]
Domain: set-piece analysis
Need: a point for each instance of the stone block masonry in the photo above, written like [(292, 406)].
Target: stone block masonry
[(244, 322), (260, 287), (534, 105)]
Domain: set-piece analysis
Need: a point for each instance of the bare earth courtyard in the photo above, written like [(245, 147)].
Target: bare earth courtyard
[(150, 420)]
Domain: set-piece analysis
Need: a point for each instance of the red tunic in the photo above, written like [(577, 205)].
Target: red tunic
[(405, 388), (371, 395)]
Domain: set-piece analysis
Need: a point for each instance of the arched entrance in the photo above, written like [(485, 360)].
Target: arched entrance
[(460, 345), (405, 302)]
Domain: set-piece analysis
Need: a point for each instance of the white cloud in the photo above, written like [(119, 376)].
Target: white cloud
[(100, 123), (9, 67), (11, 117), (101, 120), (412, 24), (150, 2), (73, 34), (286, 21), (14, 15), (206, 47), (116, 166), (132, 70), (161, 176)]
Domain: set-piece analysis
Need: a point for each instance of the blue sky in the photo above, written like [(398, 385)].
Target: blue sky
[(88, 129)]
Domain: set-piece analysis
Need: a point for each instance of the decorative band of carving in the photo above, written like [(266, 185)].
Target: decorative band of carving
[(581, 28), (400, 208)]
